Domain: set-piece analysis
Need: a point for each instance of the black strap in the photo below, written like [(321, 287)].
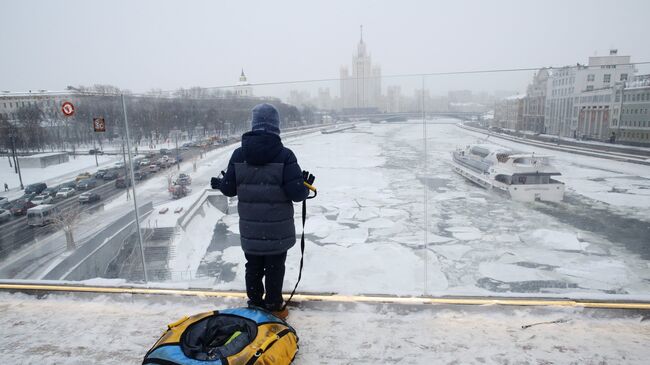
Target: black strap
[(302, 252), (260, 352)]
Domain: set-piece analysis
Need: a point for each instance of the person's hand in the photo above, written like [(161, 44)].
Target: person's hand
[(309, 178), (215, 182)]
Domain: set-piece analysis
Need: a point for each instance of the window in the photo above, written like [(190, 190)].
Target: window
[(623, 77), (591, 77), (607, 77), (590, 87), (11, 105)]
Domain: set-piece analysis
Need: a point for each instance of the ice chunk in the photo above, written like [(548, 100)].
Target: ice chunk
[(465, 233)]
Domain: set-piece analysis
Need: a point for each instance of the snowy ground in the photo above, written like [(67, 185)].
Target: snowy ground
[(366, 228), (82, 329)]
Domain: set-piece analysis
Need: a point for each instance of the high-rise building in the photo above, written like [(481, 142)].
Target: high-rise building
[(361, 89)]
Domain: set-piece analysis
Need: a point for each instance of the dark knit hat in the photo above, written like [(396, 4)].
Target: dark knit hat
[(266, 118)]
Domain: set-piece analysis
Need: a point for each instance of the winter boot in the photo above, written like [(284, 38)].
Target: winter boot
[(281, 313)]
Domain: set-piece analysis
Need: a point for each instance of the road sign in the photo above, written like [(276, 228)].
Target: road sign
[(99, 125), (67, 108)]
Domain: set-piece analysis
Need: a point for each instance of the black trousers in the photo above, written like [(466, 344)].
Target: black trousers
[(271, 268)]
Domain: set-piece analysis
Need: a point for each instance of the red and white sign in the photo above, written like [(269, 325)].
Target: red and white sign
[(67, 108)]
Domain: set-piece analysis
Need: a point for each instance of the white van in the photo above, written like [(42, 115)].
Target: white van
[(42, 215)]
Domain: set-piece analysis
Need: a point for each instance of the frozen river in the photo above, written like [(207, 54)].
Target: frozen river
[(366, 230)]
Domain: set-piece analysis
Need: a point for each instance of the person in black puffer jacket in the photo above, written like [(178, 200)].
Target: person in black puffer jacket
[(266, 177)]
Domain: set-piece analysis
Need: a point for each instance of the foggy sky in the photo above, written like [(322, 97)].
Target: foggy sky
[(140, 45)]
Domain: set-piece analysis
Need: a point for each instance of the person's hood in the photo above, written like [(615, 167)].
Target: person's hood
[(260, 147)]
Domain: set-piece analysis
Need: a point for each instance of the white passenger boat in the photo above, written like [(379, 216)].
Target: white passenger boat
[(522, 176)]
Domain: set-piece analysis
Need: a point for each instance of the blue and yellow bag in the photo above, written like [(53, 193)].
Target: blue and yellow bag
[(243, 336)]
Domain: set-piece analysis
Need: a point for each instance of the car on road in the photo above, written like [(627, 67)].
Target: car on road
[(50, 191), (42, 199), (35, 188), (89, 197), (163, 163), (5, 215), (95, 152), (145, 162), (100, 173), (122, 182), (83, 175), (27, 197), (184, 179), (111, 175), (86, 184), (164, 151), (153, 168), (65, 192), (6, 205), (141, 175), (42, 215), (119, 165), (20, 207)]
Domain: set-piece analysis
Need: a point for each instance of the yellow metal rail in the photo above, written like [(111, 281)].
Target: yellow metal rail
[(335, 298)]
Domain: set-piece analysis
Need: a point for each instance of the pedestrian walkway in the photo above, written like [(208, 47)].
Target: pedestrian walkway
[(69, 328)]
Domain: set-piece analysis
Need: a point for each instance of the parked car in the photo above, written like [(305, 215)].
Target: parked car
[(153, 168), (119, 165), (122, 182), (35, 188), (5, 215), (95, 152), (100, 173), (65, 193), (50, 191), (3, 200), (42, 215), (87, 184), (145, 162), (20, 207), (42, 199), (89, 197), (5, 205), (111, 175), (164, 151), (83, 175)]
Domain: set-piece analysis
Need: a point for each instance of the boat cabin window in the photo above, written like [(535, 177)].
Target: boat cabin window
[(480, 151)]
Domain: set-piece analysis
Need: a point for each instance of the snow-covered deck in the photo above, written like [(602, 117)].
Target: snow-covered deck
[(80, 328)]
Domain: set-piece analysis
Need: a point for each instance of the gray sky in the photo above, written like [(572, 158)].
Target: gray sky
[(141, 45)]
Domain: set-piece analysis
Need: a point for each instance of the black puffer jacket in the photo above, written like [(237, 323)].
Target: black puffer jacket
[(266, 177)]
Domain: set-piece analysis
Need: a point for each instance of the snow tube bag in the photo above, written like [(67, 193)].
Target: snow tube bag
[(236, 336)]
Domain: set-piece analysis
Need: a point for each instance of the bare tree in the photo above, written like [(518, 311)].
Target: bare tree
[(67, 220)]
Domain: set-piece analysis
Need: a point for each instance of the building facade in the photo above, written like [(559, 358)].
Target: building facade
[(567, 83), (50, 103), (534, 103), (509, 113), (361, 89), (634, 125), (594, 114)]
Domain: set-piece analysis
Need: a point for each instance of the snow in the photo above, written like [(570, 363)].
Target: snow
[(365, 230), (120, 329)]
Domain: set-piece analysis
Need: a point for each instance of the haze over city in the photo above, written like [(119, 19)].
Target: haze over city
[(167, 44)]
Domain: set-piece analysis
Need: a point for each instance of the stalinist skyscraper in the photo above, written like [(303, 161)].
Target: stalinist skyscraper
[(361, 89)]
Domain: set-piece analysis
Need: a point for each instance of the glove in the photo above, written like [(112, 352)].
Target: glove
[(309, 178), (215, 182)]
